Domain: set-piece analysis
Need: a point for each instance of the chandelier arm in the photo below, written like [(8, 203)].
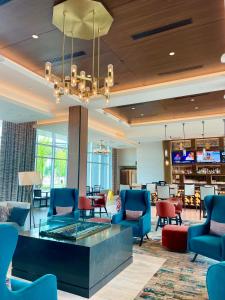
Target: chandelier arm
[(98, 58), (63, 47), (93, 50)]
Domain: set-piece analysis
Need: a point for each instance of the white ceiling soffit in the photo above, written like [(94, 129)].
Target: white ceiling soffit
[(178, 88)]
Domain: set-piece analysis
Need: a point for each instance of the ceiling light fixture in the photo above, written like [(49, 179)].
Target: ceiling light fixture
[(203, 136), (133, 108), (101, 149), (182, 144), (86, 20), (35, 36), (166, 150), (196, 107), (172, 53), (192, 100), (142, 115)]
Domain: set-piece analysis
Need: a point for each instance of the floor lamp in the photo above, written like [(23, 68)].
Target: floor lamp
[(30, 179)]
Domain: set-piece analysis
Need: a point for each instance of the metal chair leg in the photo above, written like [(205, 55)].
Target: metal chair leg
[(141, 241), (194, 258), (157, 225)]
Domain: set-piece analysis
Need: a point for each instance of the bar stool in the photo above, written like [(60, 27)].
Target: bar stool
[(151, 187), (173, 190), (205, 191), (189, 191), (163, 192)]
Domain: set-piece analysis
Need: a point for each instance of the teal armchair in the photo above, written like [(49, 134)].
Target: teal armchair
[(44, 288), (64, 197), (215, 281), (200, 241), (136, 200)]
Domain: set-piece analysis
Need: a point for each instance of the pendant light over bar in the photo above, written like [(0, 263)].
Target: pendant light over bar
[(88, 20), (184, 150), (203, 136)]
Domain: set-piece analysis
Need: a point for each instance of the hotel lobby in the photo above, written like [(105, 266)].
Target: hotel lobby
[(112, 149)]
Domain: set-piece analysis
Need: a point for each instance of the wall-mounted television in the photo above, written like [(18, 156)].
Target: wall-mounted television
[(208, 157), (179, 157)]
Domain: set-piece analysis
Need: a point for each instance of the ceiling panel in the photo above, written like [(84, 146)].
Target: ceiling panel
[(171, 109), (138, 62)]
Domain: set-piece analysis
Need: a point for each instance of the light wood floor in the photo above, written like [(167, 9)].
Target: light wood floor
[(128, 283)]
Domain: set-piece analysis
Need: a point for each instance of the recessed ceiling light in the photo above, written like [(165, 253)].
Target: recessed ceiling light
[(196, 107), (133, 108), (224, 96), (141, 115), (35, 36), (172, 53), (192, 100), (89, 76)]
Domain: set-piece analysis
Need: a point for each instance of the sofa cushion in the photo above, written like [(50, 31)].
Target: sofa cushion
[(207, 245), (217, 228), (4, 213), (18, 215), (133, 215)]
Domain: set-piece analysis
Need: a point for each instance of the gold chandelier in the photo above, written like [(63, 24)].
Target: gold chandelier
[(101, 149), (88, 20)]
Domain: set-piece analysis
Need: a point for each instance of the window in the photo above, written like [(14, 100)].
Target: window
[(51, 162), (99, 168), (51, 159)]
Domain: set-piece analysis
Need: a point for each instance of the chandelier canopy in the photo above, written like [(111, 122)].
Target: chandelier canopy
[(88, 20)]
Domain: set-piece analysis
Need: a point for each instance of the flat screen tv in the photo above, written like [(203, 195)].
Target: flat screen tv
[(178, 157), (208, 157)]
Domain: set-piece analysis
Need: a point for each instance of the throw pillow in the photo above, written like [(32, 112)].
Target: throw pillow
[(18, 215), (133, 215), (4, 214), (118, 204), (217, 228), (61, 210)]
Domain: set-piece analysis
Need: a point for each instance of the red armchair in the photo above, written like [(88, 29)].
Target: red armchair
[(166, 213), (100, 203), (84, 205)]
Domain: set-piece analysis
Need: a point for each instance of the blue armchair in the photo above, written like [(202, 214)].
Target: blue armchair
[(136, 200), (200, 241), (215, 281), (45, 288), (64, 197)]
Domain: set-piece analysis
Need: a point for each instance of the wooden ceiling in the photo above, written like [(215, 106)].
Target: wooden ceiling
[(198, 46), (171, 109)]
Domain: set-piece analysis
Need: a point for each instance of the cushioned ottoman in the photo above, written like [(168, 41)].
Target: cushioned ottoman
[(174, 238)]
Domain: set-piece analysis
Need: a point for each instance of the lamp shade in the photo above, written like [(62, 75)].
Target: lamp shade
[(29, 178)]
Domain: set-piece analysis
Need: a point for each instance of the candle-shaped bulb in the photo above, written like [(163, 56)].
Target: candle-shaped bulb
[(106, 86), (48, 71), (67, 85), (110, 75), (73, 75)]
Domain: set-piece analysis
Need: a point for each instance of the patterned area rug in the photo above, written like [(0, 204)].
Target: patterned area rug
[(178, 278)]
